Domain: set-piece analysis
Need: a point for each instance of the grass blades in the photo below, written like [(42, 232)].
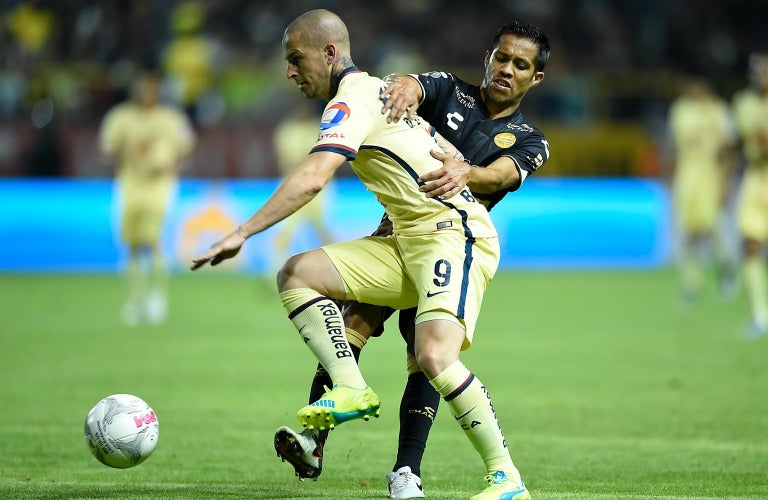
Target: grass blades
[(606, 388)]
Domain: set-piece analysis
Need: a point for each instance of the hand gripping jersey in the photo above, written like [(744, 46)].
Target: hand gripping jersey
[(389, 158), (455, 108)]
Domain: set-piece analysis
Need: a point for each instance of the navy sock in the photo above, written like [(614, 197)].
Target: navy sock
[(417, 413)]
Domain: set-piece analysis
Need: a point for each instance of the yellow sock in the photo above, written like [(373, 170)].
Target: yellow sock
[(690, 271), (471, 406), (355, 338), (136, 281), (754, 282), (319, 322)]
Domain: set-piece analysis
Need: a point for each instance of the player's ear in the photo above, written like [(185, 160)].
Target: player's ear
[(329, 51), (538, 76), (486, 58)]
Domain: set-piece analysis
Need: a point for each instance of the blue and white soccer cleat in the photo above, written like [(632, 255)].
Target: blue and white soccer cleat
[(339, 405), (501, 487)]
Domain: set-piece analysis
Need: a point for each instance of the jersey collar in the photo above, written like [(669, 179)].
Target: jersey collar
[(336, 80)]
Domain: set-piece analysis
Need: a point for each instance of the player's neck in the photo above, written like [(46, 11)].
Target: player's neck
[(341, 68), (496, 110)]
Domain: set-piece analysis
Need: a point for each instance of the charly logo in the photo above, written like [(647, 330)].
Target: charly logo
[(335, 114), (504, 140)]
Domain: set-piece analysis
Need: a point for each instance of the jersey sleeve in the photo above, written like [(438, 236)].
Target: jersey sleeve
[(436, 87), (529, 154), (344, 125), (185, 134), (109, 132)]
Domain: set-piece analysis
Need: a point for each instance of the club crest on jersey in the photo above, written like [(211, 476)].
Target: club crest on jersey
[(337, 113), (504, 140)]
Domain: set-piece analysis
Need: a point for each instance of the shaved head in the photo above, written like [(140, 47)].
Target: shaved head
[(318, 28), (316, 47)]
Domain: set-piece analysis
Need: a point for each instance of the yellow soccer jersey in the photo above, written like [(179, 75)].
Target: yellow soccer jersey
[(751, 112), (389, 158), (148, 143), (700, 130)]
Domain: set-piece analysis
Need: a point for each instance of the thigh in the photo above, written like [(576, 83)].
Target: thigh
[(450, 274), (373, 272), (707, 201), (144, 209)]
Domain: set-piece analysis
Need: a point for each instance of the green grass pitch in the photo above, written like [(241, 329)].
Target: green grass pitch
[(605, 386)]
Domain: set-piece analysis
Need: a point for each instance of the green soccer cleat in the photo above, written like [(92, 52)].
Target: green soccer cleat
[(340, 404), (501, 487)]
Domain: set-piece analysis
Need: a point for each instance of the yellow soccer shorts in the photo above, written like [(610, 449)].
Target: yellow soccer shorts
[(143, 210), (443, 274), (698, 200), (753, 205)]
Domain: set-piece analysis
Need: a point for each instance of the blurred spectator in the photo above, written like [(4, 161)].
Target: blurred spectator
[(31, 26), (620, 61), (44, 156), (189, 57)]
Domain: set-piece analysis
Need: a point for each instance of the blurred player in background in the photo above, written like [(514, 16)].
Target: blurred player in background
[(147, 142), (501, 149), (293, 139), (750, 107), (441, 255), (703, 137)]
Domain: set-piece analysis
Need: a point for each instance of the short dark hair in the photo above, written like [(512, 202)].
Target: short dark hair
[(530, 32)]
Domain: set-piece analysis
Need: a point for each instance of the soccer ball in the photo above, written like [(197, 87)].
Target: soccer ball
[(121, 431)]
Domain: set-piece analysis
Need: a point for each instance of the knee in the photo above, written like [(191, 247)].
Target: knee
[(286, 276), (431, 360)]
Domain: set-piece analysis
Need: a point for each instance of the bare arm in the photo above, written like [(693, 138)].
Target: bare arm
[(402, 95), (294, 192)]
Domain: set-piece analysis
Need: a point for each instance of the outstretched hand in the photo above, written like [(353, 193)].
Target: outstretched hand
[(448, 180), (222, 250)]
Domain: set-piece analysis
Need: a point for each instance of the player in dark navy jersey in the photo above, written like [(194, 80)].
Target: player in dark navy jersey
[(500, 150), (457, 110)]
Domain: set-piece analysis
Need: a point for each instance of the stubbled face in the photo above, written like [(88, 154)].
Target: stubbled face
[(510, 72), (307, 66)]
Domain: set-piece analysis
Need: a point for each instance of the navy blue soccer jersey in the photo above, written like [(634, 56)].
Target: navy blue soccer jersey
[(455, 108)]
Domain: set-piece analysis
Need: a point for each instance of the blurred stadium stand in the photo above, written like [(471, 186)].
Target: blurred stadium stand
[(614, 70)]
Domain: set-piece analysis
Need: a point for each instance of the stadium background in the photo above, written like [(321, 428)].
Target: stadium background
[(615, 68)]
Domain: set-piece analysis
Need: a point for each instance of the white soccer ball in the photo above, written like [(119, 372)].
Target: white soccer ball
[(121, 431)]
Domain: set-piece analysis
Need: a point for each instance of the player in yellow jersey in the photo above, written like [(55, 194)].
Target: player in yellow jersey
[(147, 140), (702, 133), (750, 108), (440, 258)]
